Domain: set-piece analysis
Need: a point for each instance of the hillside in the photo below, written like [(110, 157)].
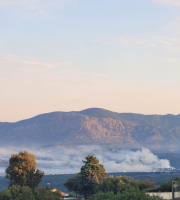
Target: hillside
[(58, 180), (159, 133)]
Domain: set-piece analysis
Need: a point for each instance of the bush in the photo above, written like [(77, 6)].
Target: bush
[(127, 195), (167, 187), (120, 184), (122, 188), (17, 192)]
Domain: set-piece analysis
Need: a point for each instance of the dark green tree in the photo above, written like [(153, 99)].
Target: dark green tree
[(92, 173), (120, 184), (114, 185), (17, 192), (22, 170), (122, 188), (167, 187)]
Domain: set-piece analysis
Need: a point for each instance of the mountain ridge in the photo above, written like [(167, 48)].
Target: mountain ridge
[(159, 133)]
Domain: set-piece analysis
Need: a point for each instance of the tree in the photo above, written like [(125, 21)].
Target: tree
[(122, 188), (114, 185), (167, 187), (148, 183), (17, 192), (22, 170), (120, 184), (92, 173)]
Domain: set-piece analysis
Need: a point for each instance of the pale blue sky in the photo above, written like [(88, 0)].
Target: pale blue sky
[(63, 55)]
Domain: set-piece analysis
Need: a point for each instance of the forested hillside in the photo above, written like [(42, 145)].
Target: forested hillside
[(95, 126)]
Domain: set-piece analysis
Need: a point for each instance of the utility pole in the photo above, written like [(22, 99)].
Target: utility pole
[(49, 185), (173, 189)]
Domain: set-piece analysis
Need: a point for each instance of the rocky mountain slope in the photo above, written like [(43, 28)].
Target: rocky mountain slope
[(95, 126)]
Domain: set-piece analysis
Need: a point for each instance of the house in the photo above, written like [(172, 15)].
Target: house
[(63, 193)]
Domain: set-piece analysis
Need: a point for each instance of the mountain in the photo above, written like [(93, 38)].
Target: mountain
[(159, 133), (152, 120)]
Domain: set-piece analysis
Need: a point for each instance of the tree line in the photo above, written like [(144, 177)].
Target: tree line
[(91, 182)]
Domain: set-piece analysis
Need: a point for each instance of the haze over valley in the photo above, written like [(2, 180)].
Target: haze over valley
[(121, 141)]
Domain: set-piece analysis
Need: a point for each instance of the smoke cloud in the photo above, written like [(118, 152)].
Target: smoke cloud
[(68, 160)]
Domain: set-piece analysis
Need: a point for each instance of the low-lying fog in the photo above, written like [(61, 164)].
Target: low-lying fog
[(68, 160)]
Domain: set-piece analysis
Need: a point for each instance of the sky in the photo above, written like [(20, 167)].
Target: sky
[(69, 55)]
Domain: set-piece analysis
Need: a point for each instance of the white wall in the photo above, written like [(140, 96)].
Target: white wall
[(165, 195)]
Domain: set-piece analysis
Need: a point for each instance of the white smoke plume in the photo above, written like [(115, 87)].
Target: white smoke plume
[(68, 160)]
